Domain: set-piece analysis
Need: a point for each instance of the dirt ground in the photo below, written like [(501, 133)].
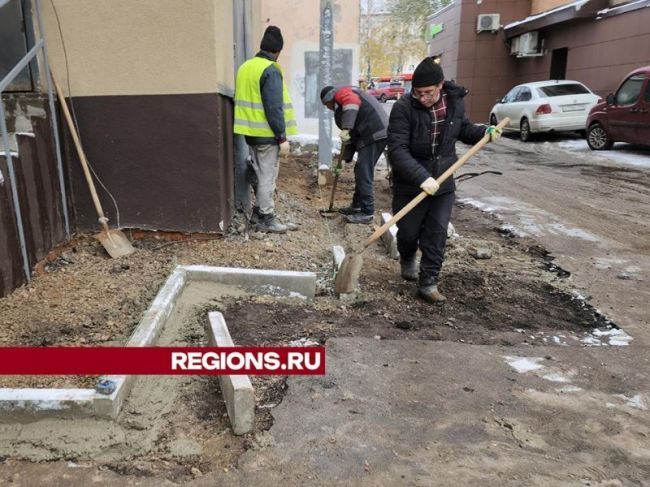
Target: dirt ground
[(518, 297)]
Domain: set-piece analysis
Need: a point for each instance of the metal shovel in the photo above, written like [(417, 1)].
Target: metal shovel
[(348, 275), (114, 241)]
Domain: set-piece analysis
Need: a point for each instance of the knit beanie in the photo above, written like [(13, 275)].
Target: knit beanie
[(272, 39), (327, 94), (427, 73)]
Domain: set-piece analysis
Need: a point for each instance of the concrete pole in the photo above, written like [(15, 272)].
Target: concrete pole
[(242, 17), (324, 79)]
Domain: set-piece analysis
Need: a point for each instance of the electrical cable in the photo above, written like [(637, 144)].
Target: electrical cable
[(74, 115)]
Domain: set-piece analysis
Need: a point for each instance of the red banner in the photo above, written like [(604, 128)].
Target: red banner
[(162, 361)]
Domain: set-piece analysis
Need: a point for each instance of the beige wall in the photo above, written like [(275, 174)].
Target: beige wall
[(299, 21), (538, 6), (127, 47)]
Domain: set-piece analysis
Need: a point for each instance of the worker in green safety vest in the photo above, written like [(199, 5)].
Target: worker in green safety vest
[(265, 116)]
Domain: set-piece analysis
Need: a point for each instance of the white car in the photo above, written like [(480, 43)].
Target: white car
[(545, 106)]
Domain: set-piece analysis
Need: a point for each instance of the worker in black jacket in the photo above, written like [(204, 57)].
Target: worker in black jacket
[(363, 124), (422, 133)]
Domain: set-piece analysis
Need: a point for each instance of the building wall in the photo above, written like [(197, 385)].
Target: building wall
[(445, 44), (38, 188), (149, 82), (481, 62), (301, 33), (538, 6), (600, 53)]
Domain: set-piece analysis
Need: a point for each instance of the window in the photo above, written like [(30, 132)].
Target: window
[(647, 92), (524, 94), (511, 95), (562, 90), (14, 42), (629, 92)]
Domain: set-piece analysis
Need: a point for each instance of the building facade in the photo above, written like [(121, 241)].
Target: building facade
[(300, 21), (493, 45)]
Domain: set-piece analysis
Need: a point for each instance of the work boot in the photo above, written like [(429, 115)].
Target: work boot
[(409, 268), (360, 218), (431, 294), (269, 224), (350, 210)]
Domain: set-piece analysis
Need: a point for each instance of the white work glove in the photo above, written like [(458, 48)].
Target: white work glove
[(430, 186), (345, 136), (285, 148)]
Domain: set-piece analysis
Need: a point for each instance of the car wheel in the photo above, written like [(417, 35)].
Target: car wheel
[(493, 119), (524, 130), (382, 98), (597, 138)]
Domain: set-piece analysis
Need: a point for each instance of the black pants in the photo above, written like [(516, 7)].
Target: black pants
[(364, 176), (424, 226)]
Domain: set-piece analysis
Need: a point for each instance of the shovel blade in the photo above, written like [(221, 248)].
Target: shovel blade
[(348, 275), (115, 243)]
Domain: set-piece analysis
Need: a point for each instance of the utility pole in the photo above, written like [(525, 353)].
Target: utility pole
[(324, 79), (242, 24)]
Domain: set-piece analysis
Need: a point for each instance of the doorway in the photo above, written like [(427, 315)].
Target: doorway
[(558, 63)]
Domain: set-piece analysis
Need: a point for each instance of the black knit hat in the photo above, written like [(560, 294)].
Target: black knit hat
[(327, 94), (427, 73), (272, 39)]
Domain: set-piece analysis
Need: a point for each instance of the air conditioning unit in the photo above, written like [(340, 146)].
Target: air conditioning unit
[(529, 44), (514, 45), (488, 22)]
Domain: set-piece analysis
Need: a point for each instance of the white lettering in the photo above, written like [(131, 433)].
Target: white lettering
[(179, 361), (294, 360), (315, 363), (194, 360)]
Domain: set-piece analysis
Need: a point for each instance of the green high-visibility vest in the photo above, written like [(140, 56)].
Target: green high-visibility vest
[(250, 118)]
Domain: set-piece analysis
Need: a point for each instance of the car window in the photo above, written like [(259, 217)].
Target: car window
[(630, 90), (564, 89), (524, 94), (383, 85), (647, 92), (511, 95)]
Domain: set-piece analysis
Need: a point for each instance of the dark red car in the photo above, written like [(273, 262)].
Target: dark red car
[(624, 116), (386, 90)]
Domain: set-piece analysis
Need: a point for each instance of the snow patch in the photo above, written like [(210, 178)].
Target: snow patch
[(524, 364)]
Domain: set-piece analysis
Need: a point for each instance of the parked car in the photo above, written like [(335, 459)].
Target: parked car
[(624, 116), (545, 106), (387, 90)]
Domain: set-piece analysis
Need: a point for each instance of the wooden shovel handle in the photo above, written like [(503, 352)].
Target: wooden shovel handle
[(82, 155), (443, 177), (336, 176)]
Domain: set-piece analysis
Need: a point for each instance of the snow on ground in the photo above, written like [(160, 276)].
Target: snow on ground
[(532, 220), (624, 154)]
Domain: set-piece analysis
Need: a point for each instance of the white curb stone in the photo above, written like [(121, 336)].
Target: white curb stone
[(237, 390)]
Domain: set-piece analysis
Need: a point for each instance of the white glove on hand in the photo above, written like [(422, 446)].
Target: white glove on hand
[(345, 136), (285, 148), (430, 186)]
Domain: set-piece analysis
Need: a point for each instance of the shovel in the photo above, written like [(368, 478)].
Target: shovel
[(348, 275), (329, 213), (114, 241)]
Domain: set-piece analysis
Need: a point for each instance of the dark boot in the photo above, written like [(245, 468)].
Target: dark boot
[(360, 218), (270, 224), (431, 294), (350, 210), (409, 269)]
